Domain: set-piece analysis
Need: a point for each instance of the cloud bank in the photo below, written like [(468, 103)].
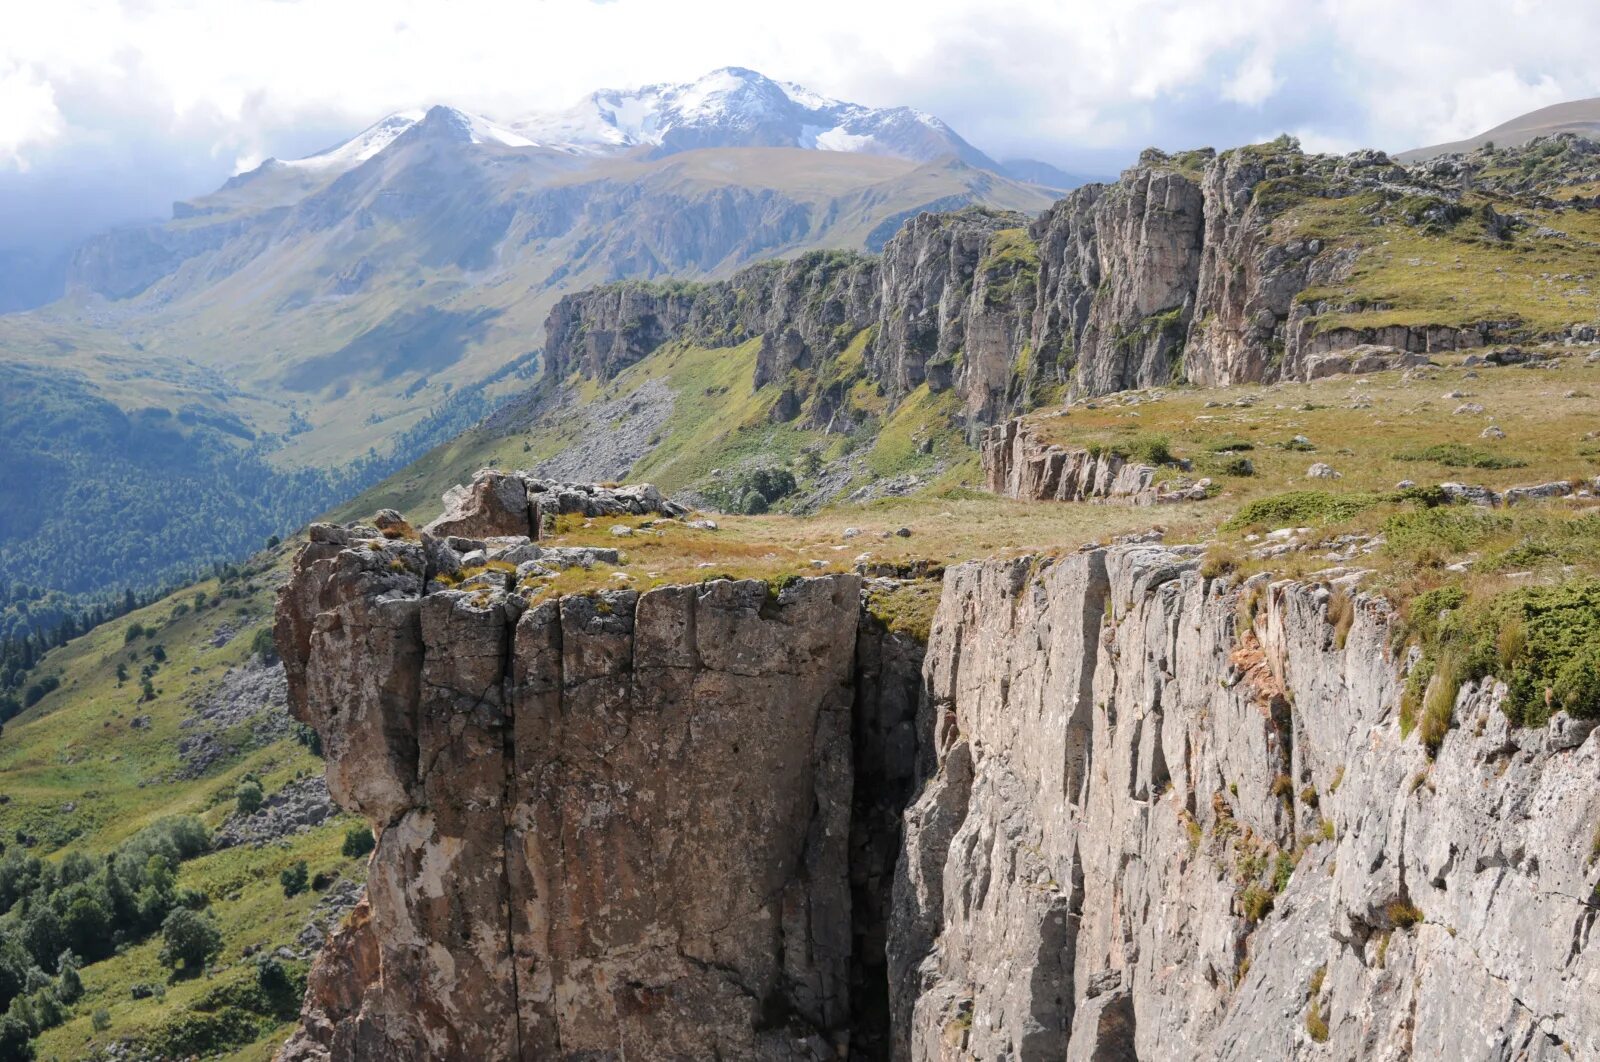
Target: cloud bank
[(111, 108)]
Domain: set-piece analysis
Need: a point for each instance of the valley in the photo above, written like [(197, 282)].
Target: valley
[(1151, 619)]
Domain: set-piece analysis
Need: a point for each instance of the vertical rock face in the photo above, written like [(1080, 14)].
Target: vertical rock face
[(610, 826), (1177, 271), (1115, 810), (1118, 300), (950, 307), (1122, 851)]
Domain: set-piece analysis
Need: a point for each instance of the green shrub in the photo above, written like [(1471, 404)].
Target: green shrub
[(247, 797), (1255, 902), (1298, 507), (195, 1034), (358, 841), (1151, 449), (294, 878), (16, 1038), (189, 940), (1455, 529), (1457, 455), (1543, 642), (263, 647), (100, 1020), (739, 492)]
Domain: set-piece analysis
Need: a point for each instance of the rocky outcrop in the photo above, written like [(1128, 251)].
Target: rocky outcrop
[(801, 309), (1118, 810), (1018, 464), (1167, 825), (1119, 265), (612, 825), (949, 302), (498, 504), (1177, 271)]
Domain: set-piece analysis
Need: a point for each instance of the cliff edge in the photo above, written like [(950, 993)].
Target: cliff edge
[(1120, 810)]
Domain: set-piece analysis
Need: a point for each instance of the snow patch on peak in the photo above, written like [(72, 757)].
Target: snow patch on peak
[(374, 138), (361, 147), (737, 107), (475, 129)]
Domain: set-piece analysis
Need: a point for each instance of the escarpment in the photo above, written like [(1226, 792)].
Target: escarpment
[(1180, 270), (1115, 809)]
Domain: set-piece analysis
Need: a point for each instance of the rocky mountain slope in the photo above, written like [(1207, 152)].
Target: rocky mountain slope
[(418, 257), (1574, 116), (1256, 264), (91, 761), (339, 315)]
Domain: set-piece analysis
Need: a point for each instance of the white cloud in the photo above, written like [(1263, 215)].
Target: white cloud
[(28, 114), (1254, 82), (231, 80)]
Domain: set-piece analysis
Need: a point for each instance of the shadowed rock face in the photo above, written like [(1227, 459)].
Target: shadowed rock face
[(610, 826), (1117, 811)]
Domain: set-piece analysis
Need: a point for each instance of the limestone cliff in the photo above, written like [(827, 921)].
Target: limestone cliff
[(1178, 270), (1120, 810), (620, 825), (1166, 824)]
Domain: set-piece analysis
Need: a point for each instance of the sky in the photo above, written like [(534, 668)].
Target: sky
[(111, 109)]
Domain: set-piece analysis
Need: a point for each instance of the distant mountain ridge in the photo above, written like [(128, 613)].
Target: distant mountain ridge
[(727, 108), (1574, 116)]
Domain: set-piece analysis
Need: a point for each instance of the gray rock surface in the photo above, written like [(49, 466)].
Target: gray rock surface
[(1109, 809), (298, 807), (502, 504), (610, 824), (1019, 464), (251, 699), (1173, 272), (1116, 810)]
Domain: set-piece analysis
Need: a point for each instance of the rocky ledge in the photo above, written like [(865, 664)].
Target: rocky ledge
[(1018, 464), (1119, 810), (513, 503)]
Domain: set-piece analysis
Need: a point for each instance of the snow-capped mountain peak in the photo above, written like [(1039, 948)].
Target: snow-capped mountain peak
[(730, 107), (473, 129), (361, 147), (457, 124), (736, 107)]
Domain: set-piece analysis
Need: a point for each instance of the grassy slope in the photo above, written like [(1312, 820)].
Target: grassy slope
[(1455, 275), (717, 422), (78, 748)]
